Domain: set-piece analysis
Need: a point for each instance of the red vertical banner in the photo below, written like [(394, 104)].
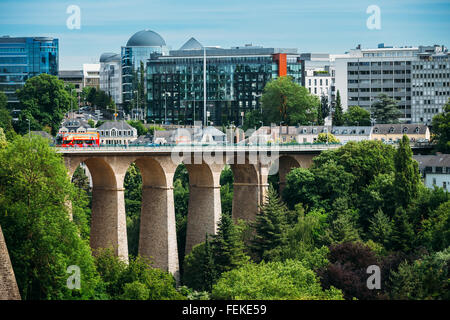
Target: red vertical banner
[(281, 58)]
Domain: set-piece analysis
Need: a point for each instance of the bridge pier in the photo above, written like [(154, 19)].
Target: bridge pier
[(204, 208), (108, 219), (157, 236)]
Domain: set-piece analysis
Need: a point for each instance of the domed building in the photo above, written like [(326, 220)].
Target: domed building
[(111, 76), (138, 49)]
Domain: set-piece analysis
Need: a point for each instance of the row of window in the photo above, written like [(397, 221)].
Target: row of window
[(320, 82), (383, 63), (116, 133), (431, 75)]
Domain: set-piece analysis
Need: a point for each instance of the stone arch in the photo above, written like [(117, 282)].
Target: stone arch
[(246, 191), (286, 162)]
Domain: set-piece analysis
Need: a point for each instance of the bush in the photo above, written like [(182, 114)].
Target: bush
[(272, 281)]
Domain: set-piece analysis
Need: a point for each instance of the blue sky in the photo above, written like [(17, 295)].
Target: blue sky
[(333, 26)]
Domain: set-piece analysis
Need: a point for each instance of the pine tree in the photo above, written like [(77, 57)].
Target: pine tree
[(403, 233), (338, 115), (209, 272), (227, 247), (269, 225), (380, 228), (385, 109), (406, 174)]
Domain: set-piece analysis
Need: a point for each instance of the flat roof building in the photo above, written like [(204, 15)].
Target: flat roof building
[(22, 58), (235, 79)]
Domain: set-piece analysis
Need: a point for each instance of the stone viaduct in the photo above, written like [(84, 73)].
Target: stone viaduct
[(108, 166)]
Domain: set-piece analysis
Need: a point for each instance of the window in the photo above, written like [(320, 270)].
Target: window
[(391, 130), (405, 130)]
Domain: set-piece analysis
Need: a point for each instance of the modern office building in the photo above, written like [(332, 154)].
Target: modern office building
[(24, 57), (111, 76), (91, 75), (366, 73), (235, 79), (319, 74), (416, 77), (430, 83), (138, 49)]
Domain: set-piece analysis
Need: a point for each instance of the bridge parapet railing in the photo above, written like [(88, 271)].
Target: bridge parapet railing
[(199, 148)]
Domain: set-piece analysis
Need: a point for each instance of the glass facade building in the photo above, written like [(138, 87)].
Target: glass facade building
[(138, 49), (235, 79), (23, 58)]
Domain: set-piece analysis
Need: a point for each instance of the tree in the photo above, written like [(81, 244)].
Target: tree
[(323, 110), (5, 115), (407, 176), (272, 281), (133, 199), (227, 247), (403, 233), (44, 100), (338, 117), (347, 270), (380, 228), (284, 100), (424, 279), (141, 129), (42, 241), (356, 116), (269, 225), (385, 110), (441, 129), (135, 280), (252, 120), (326, 138)]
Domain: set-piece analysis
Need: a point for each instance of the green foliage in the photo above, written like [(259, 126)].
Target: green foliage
[(272, 281), (141, 129), (406, 174), (91, 123), (385, 110), (284, 100), (338, 114), (424, 279), (441, 129), (269, 225), (227, 247), (5, 115), (326, 138), (193, 269), (252, 119), (356, 116), (207, 261), (435, 230), (403, 232), (3, 141), (44, 101), (226, 190), (323, 110), (42, 241), (135, 280), (133, 198), (381, 228)]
